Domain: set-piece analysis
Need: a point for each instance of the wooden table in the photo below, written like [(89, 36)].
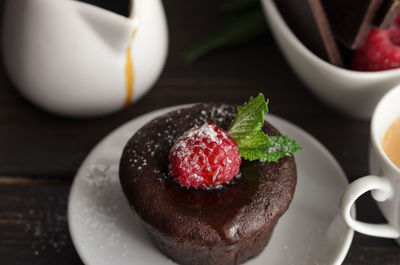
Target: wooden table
[(40, 153)]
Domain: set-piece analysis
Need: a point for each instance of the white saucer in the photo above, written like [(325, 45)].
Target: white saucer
[(105, 231)]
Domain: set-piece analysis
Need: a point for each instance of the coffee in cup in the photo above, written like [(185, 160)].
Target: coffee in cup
[(391, 142), (384, 167)]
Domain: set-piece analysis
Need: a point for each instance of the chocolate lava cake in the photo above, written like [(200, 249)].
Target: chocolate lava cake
[(225, 226)]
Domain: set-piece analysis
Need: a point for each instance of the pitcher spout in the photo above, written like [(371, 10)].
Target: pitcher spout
[(114, 30)]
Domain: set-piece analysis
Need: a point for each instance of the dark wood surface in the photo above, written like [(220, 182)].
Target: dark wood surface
[(40, 152)]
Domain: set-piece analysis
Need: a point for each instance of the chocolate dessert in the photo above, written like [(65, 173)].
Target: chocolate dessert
[(221, 226)]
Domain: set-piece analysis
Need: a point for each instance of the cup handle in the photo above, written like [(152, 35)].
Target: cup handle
[(381, 190)]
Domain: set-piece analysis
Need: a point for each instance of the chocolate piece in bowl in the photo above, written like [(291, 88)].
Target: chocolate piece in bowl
[(351, 21), (320, 23), (387, 13), (308, 21), (194, 226)]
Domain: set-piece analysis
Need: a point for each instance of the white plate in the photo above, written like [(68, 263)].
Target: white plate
[(105, 231)]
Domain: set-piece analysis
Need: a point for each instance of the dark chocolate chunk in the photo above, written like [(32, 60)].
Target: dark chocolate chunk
[(308, 21), (387, 13), (351, 20)]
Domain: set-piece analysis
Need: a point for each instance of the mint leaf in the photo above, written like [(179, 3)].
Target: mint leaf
[(252, 142), (283, 145), (258, 138), (279, 146), (249, 119)]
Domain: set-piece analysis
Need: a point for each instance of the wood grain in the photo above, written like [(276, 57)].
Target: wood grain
[(33, 229), (33, 224)]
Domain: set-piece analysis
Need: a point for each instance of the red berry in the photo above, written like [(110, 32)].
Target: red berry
[(381, 50), (204, 157)]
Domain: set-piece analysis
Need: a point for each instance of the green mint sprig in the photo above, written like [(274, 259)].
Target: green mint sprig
[(252, 142), (249, 119)]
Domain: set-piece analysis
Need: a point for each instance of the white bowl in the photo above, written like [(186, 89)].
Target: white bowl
[(351, 92)]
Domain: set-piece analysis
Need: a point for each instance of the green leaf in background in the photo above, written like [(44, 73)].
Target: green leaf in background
[(242, 28), (249, 119)]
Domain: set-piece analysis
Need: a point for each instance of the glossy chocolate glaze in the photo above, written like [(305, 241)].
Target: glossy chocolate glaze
[(221, 209), (242, 210)]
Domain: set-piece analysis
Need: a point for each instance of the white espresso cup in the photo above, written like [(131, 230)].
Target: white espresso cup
[(384, 181)]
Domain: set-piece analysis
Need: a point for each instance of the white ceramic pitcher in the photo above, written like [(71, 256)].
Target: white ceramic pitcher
[(79, 60)]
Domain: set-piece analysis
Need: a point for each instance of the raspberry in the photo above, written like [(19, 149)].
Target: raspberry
[(204, 157), (381, 50)]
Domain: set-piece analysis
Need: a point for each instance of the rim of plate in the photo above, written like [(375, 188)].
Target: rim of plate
[(349, 233)]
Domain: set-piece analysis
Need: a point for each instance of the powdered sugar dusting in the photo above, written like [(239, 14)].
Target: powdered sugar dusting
[(102, 179), (203, 157), (204, 131), (149, 145), (102, 209), (46, 225), (172, 128), (101, 218)]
